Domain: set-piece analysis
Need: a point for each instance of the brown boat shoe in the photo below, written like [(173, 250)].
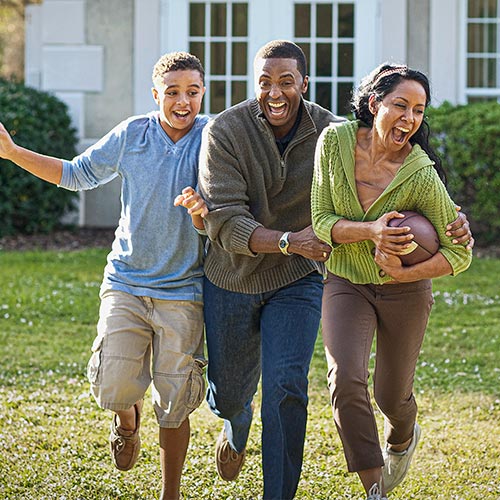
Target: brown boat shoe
[(125, 445), (229, 462)]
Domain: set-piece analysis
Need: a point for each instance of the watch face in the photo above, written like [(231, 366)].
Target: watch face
[(282, 243)]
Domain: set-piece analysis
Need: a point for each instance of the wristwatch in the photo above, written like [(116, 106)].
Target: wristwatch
[(284, 244)]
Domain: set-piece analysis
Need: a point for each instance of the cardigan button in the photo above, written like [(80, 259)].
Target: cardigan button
[(381, 273)]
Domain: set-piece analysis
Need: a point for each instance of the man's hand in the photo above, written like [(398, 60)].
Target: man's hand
[(460, 231), (307, 244)]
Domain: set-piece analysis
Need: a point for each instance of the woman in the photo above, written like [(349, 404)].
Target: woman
[(365, 172)]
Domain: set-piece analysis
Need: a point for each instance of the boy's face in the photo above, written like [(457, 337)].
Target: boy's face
[(179, 97)]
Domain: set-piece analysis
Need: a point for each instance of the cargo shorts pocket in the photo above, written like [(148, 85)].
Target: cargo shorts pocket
[(94, 364), (195, 393)]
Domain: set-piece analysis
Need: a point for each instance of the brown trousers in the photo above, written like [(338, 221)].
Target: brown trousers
[(351, 314)]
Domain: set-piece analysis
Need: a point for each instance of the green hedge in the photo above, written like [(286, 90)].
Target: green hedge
[(468, 140), (37, 121)]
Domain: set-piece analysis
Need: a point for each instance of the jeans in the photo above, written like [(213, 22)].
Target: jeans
[(272, 334)]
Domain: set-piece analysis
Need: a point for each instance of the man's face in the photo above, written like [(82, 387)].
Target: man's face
[(279, 87)]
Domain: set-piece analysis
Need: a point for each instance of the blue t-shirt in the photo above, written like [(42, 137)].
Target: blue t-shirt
[(156, 251)]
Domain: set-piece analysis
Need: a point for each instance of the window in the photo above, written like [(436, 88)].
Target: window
[(483, 50), (218, 35), (325, 31)]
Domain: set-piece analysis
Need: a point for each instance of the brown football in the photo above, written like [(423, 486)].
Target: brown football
[(425, 242)]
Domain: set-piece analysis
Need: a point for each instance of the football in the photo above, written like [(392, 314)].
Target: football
[(425, 242)]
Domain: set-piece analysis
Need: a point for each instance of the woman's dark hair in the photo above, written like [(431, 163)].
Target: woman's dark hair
[(382, 81)]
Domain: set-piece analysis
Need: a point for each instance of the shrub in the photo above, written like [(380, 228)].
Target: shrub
[(40, 122), (467, 138)]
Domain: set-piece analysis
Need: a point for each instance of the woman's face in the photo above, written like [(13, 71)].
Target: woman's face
[(398, 116)]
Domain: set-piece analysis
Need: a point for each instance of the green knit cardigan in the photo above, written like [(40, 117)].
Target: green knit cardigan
[(416, 186)]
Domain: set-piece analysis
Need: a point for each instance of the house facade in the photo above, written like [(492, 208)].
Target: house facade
[(97, 55)]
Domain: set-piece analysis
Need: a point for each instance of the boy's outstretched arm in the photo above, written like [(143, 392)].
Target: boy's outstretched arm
[(45, 167), (195, 204)]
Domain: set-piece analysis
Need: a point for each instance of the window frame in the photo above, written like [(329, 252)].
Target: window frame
[(478, 92)]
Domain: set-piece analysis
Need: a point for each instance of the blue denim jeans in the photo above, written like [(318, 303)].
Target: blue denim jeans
[(272, 334)]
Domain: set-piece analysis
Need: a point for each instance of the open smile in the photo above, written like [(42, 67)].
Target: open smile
[(277, 109), (400, 134)]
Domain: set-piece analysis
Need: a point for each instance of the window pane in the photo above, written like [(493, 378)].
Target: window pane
[(218, 58), (198, 49), (482, 8), (324, 20), (217, 96), (324, 59), (240, 16), (482, 73), (197, 19), (344, 91), (345, 58), (218, 19), (482, 37), (239, 62), (324, 94), (302, 20), (238, 92), (306, 48), (472, 99), (346, 20)]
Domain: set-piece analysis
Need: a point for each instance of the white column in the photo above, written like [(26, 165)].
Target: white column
[(447, 50), (147, 50), (392, 31)]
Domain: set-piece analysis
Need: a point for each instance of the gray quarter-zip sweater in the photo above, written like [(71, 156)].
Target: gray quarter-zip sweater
[(246, 184)]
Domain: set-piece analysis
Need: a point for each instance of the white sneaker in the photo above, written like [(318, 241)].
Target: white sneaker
[(397, 463), (375, 493)]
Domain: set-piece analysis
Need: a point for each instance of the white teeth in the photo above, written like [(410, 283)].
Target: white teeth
[(182, 113), (276, 104), (404, 130)]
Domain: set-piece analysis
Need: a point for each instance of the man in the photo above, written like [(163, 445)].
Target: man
[(263, 283), (262, 288)]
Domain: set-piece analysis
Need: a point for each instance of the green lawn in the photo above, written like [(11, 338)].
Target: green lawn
[(53, 437)]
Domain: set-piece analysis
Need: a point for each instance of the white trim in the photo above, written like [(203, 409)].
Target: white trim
[(174, 23), (72, 68), (367, 55), (33, 46), (76, 109), (392, 31), (63, 22), (461, 53), (146, 52), (445, 71)]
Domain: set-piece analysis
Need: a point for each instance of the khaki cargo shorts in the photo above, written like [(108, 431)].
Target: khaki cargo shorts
[(142, 341)]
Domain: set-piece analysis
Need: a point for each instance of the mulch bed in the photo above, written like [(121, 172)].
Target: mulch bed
[(74, 239)]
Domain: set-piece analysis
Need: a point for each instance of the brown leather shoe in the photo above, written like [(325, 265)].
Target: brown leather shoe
[(229, 462), (125, 445)]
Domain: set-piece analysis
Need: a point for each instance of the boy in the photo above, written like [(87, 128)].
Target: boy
[(151, 319)]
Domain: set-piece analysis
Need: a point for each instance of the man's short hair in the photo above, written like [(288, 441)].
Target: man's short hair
[(284, 49), (175, 61)]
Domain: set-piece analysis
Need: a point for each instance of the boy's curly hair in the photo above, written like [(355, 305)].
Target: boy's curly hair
[(175, 61)]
